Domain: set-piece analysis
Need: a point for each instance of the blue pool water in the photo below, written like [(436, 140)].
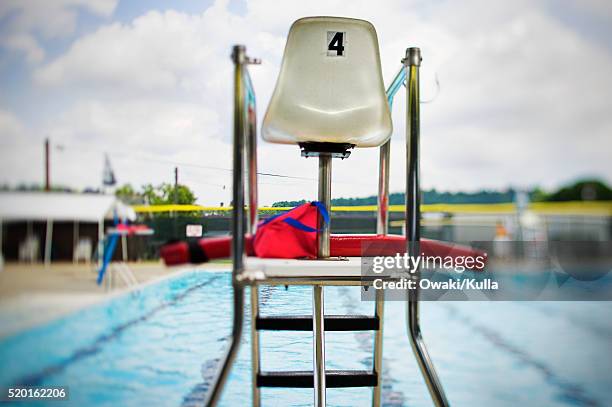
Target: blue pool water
[(160, 346)]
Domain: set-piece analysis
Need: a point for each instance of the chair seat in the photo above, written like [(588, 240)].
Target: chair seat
[(330, 87)]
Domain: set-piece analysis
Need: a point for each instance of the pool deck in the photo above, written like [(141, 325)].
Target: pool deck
[(31, 294)]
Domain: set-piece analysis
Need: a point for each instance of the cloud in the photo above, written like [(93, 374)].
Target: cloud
[(11, 127), (521, 100), (28, 19), (155, 52), (26, 44), (159, 125), (21, 153)]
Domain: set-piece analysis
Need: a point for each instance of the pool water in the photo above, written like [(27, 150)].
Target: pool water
[(161, 346)]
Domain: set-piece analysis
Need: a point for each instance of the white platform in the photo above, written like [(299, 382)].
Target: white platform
[(334, 271)]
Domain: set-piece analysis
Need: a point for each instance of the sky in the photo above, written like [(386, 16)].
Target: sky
[(524, 95)]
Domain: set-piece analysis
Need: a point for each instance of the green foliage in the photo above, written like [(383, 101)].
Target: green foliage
[(288, 203), (537, 195), (36, 188), (163, 194), (429, 197), (584, 190), (129, 195)]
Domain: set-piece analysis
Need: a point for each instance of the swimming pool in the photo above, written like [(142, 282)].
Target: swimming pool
[(160, 346)]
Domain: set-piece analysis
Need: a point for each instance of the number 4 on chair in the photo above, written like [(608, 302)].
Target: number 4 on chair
[(335, 43)]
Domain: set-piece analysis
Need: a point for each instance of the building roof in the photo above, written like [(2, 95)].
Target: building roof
[(61, 206)]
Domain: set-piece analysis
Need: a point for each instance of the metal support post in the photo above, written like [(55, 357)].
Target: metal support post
[(382, 218), (48, 243), (413, 224), (318, 311), (255, 358), (238, 227), (325, 178), (251, 153), (379, 313), (318, 331)]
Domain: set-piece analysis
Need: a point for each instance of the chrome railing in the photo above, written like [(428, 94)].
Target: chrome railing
[(410, 70), (382, 216), (412, 62), (382, 228), (245, 124), (251, 147)]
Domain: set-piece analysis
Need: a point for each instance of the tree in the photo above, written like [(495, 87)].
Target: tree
[(538, 195), (129, 195), (585, 190), (163, 194), (179, 194)]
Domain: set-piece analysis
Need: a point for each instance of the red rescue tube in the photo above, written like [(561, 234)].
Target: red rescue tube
[(201, 251), (390, 245), (207, 249), (175, 253)]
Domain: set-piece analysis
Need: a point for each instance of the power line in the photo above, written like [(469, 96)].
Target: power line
[(62, 147)]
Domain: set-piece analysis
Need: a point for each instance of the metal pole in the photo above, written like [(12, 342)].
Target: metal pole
[(378, 346), (382, 225), (255, 359), (318, 331), (124, 248), (325, 168), (239, 58), (175, 185), (175, 201), (382, 220), (318, 309), (413, 224), (100, 242), (48, 242), (382, 228), (251, 145), (47, 167)]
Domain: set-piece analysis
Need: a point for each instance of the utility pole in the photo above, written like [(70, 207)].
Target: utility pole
[(175, 185), (47, 175), (176, 234)]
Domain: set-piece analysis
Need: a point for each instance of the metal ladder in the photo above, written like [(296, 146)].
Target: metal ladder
[(307, 379), (244, 155)]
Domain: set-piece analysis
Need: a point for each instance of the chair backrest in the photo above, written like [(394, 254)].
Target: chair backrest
[(330, 87)]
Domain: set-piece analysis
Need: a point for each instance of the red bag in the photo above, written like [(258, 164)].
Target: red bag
[(290, 235)]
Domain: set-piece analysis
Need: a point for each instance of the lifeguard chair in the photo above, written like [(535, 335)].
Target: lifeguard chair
[(329, 99)]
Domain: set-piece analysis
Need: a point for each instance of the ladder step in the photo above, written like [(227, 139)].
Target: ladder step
[(304, 379), (304, 323)]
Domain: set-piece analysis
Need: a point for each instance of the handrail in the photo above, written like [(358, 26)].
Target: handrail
[(244, 139), (251, 146), (396, 84), (412, 62), (412, 209), (382, 212)]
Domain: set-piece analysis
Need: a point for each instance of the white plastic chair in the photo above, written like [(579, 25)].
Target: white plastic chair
[(29, 249), (83, 250)]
